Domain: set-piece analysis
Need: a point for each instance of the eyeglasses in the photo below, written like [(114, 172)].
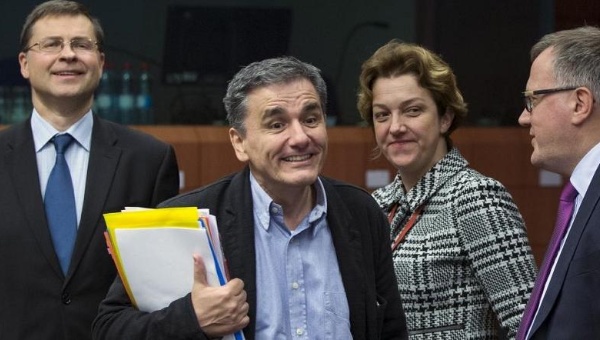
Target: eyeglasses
[(528, 96), (55, 45)]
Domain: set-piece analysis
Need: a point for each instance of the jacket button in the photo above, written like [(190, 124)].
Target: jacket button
[(66, 298)]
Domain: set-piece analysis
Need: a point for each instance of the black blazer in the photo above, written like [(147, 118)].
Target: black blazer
[(361, 238), (126, 168), (571, 306)]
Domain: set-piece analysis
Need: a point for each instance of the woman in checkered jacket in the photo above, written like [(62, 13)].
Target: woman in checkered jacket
[(461, 254)]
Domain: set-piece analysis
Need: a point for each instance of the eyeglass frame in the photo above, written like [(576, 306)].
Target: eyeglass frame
[(528, 95), (62, 45)]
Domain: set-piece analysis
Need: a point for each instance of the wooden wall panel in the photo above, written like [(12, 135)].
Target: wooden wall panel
[(205, 154)]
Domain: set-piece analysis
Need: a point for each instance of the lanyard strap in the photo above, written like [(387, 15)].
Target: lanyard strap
[(407, 227)]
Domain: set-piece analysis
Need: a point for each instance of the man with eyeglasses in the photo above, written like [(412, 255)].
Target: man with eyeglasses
[(60, 170), (563, 117)]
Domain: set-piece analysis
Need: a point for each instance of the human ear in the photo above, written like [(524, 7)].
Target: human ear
[(237, 141), (583, 105), (24, 65), (446, 121)]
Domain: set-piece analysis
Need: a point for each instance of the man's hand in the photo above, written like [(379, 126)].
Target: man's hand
[(220, 310)]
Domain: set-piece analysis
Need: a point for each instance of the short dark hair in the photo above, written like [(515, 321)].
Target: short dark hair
[(59, 8), (576, 56), (264, 73)]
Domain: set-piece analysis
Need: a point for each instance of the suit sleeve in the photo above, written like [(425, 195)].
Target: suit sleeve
[(118, 319), (167, 180), (495, 240)]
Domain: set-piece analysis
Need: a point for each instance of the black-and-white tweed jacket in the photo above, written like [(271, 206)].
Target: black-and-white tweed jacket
[(466, 266)]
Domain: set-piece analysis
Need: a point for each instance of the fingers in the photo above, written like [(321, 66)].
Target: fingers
[(236, 286), (243, 319), (199, 271), (235, 320), (220, 310)]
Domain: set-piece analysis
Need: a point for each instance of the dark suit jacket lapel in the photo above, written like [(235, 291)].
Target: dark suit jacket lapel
[(348, 247), (562, 266), (104, 157), (236, 226), (22, 165)]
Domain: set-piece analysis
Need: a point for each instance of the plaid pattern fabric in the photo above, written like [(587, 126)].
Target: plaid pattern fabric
[(466, 267)]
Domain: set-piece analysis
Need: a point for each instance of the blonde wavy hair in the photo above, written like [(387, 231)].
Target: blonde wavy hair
[(398, 58)]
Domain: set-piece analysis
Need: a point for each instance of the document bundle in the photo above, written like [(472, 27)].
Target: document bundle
[(153, 248)]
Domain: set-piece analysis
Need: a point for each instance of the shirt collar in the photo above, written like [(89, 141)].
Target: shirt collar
[(263, 202), (445, 169), (44, 131), (585, 169)]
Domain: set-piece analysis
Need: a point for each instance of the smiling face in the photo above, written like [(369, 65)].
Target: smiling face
[(408, 129), (285, 142), (65, 75)]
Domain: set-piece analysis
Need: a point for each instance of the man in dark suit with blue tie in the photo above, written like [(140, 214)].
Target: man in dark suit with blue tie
[(60, 170), (562, 112)]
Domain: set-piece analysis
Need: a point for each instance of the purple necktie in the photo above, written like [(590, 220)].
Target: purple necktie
[(565, 210)]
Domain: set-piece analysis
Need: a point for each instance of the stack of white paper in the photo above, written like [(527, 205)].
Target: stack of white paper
[(153, 248)]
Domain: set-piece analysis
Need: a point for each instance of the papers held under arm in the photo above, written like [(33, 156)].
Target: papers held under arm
[(153, 248)]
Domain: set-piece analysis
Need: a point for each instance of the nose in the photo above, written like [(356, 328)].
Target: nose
[(298, 134), (67, 51), (525, 118), (397, 124)]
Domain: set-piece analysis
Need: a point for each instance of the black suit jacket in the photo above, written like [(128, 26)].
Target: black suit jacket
[(571, 306), (126, 168), (361, 239)]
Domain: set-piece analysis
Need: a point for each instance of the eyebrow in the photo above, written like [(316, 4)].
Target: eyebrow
[(58, 37), (410, 101), (312, 106), (271, 112), (275, 111)]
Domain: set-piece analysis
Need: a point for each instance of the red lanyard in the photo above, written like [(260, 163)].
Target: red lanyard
[(407, 227)]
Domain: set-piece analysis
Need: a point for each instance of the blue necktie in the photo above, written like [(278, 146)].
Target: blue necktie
[(59, 202)]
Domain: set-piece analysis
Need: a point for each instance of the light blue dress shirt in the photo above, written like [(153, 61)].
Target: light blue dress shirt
[(300, 294), (77, 155)]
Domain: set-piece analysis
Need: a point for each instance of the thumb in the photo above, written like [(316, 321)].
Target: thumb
[(199, 271)]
